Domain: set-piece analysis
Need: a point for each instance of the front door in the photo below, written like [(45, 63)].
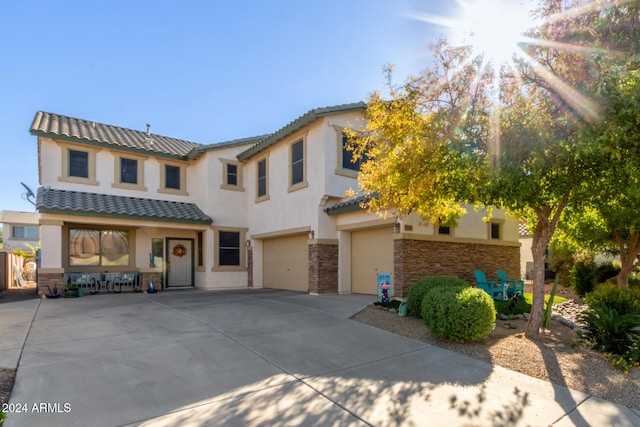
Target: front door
[(180, 265)]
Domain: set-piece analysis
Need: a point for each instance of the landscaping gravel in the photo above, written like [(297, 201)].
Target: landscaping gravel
[(555, 357)]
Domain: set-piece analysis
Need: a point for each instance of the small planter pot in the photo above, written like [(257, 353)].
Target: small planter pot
[(80, 292), (71, 293)]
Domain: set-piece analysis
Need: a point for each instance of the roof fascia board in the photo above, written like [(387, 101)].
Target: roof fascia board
[(343, 209), (122, 216)]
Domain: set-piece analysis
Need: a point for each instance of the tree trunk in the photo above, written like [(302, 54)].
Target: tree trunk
[(537, 308), (628, 257), (541, 238)]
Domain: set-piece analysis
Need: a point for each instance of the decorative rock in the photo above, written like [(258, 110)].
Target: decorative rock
[(393, 310), (569, 311), (501, 316), (525, 316), (561, 346)]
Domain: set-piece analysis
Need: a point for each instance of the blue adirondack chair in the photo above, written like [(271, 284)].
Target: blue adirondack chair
[(494, 288), (512, 285)]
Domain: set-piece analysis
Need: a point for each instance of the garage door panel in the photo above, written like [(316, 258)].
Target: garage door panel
[(371, 254), (286, 263)]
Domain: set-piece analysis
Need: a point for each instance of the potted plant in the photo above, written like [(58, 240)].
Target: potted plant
[(70, 291), (53, 292)]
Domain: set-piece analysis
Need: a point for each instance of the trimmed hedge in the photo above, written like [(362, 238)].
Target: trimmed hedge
[(420, 288), (459, 314)]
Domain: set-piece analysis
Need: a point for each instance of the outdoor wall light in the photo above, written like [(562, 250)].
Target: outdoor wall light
[(396, 227), (248, 243), (311, 234)]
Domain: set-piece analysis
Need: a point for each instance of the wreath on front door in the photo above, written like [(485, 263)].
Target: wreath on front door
[(179, 250)]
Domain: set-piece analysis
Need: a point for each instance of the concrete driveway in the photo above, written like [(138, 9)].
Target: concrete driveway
[(257, 358)]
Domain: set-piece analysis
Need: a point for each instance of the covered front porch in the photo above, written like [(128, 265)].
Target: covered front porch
[(119, 244)]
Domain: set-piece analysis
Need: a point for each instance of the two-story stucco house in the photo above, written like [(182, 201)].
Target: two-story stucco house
[(267, 211)]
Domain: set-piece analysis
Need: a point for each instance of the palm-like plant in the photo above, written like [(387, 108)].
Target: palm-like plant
[(607, 330)]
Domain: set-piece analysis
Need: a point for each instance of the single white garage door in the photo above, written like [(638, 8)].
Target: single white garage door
[(371, 254), (286, 263)]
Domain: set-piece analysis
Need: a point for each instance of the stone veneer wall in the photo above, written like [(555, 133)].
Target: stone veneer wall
[(51, 279), (155, 278), (250, 267), (417, 259), (323, 268)]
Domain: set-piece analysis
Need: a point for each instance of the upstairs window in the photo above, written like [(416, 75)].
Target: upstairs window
[(262, 184), (348, 157), (231, 175), (297, 163), (78, 164), (297, 171), (128, 171), (172, 177)]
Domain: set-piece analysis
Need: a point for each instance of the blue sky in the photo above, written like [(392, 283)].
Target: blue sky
[(204, 71)]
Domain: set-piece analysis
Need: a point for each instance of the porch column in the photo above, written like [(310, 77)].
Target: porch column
[(50, 271), (323, 266)]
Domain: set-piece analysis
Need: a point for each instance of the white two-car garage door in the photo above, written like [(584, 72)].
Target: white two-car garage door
[(371, 254), (286, 263)]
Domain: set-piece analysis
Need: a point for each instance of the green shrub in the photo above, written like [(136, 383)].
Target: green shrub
[(561, 259), (459, 314), (623, 300), (584, 277), (607, 330), (420, 288), (606, 271)]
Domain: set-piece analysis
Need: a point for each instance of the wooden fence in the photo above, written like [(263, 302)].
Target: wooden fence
[(11, 269)]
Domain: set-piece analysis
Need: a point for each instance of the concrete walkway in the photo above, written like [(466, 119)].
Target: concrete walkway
[(256, 358)]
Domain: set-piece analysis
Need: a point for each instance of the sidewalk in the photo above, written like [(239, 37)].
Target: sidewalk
[(258, 358)]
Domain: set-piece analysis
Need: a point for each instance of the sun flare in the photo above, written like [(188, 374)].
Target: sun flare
[(494, 29)]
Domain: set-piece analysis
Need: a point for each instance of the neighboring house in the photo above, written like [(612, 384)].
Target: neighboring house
[(526, 256), (20, 230), (267, 211)]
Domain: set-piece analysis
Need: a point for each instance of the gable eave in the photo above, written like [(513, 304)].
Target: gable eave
[(297, 124)]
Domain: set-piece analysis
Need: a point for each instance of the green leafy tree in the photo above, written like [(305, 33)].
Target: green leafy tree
[(616, 198), (425, 145), (434, 145)]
